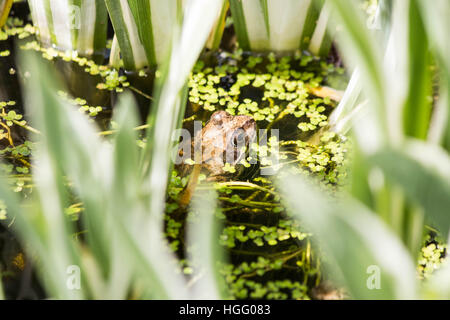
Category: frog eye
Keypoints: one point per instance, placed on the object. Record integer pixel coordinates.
(239, 139)
(218, 117)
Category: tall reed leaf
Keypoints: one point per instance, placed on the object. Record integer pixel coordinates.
(144, 29)
(417, 109)
(96, 168)
(78, 25)
(281, 25)
(199, 17)
(204, 249)
(398, 89)
(5, 6)
(357, 243)
(216, 34)
(359, 48)
(429, 186)
(321, 39)
(438, 287)
(436, 22)
(351, 107)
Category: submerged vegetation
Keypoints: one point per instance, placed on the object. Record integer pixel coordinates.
(355, 156)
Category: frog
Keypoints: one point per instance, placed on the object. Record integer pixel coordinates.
(225, 139)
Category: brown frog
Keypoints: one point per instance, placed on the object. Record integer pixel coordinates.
(224, 139)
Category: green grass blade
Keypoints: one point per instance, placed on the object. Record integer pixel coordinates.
(42, 19)
(240, 26)
(348, 102)
(2, 294)
(101, 26)
(287, 20)
(5, 7)
(143, 18)
(79, 25)
(74, 146)
(275, 25)
(144, 29)
(321, 39)
(428, 186)
(215, 37)
(198, 20)
(131, 49)
(417, 108)
(436, 22)
(205, 250)
(312, 14)
(357, 243)
(265, 9)
(438, 287)
(360, 49)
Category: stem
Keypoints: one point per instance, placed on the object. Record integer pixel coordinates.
(141, 93)
(27, 127)
(246, 184)
(110, 132)
(249, 203)
(8, 130)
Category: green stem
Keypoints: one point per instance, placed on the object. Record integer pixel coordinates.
(249, 203)
(246, 184)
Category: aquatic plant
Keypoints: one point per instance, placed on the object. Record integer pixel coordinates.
(136, 257)
(71, 25)
(282, 25)
(400, 171)
(104, 205)
(143, 29)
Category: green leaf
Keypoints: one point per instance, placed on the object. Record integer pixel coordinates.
(79, 25)
(438, 286)
(5, 6)
(417, 109)
(204, 247)
(239, 24)
(423, 173)
(125, 29)
(360, 247)
(360, 49)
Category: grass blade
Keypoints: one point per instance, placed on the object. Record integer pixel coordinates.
(355, 240)
(360, 49)
(5, 7)
(429, 185)
(79, 25)
(321, 39)
(215, 37)
(204, 249)
(239, 24)
(126, 31)
(438, 287)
